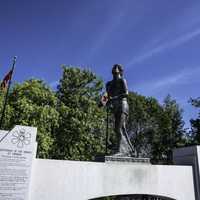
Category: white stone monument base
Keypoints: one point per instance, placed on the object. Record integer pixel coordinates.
(75, 180)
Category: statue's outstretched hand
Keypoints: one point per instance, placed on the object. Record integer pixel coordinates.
(104, 99)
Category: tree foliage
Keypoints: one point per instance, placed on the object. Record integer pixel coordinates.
(71, 125)
(155, 129)
(33, 103)
(194, 134)
(81, 131)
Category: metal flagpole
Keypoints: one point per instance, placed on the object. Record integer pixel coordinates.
(7, 92)
(107, 122)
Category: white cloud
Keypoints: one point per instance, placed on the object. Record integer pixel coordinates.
(171, 44)
(183, 77)
(105, 33)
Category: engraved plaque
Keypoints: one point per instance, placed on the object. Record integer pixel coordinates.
(17, 150)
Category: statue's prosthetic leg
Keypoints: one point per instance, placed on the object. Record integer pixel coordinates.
(123, 143)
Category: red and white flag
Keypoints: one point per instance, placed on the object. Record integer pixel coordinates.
(6, 79)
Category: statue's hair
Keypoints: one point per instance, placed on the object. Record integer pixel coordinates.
(120, 68)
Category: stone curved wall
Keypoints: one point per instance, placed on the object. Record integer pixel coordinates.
(139, 196)
(74, 180)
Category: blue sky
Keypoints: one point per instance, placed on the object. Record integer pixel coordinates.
(158, 42)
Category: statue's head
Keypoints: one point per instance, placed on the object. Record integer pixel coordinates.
(117, 70)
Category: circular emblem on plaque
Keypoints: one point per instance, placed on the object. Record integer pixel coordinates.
(20, 138)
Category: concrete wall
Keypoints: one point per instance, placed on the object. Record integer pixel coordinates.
(74, 180)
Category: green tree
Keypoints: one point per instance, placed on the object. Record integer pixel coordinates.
(81, 132)
(155, 129)
(195, 131)
(72, 126)
(33, 103)
(173, 127)
(194, 134)
(143, 123)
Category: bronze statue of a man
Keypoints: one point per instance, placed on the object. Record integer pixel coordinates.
(117, 91)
